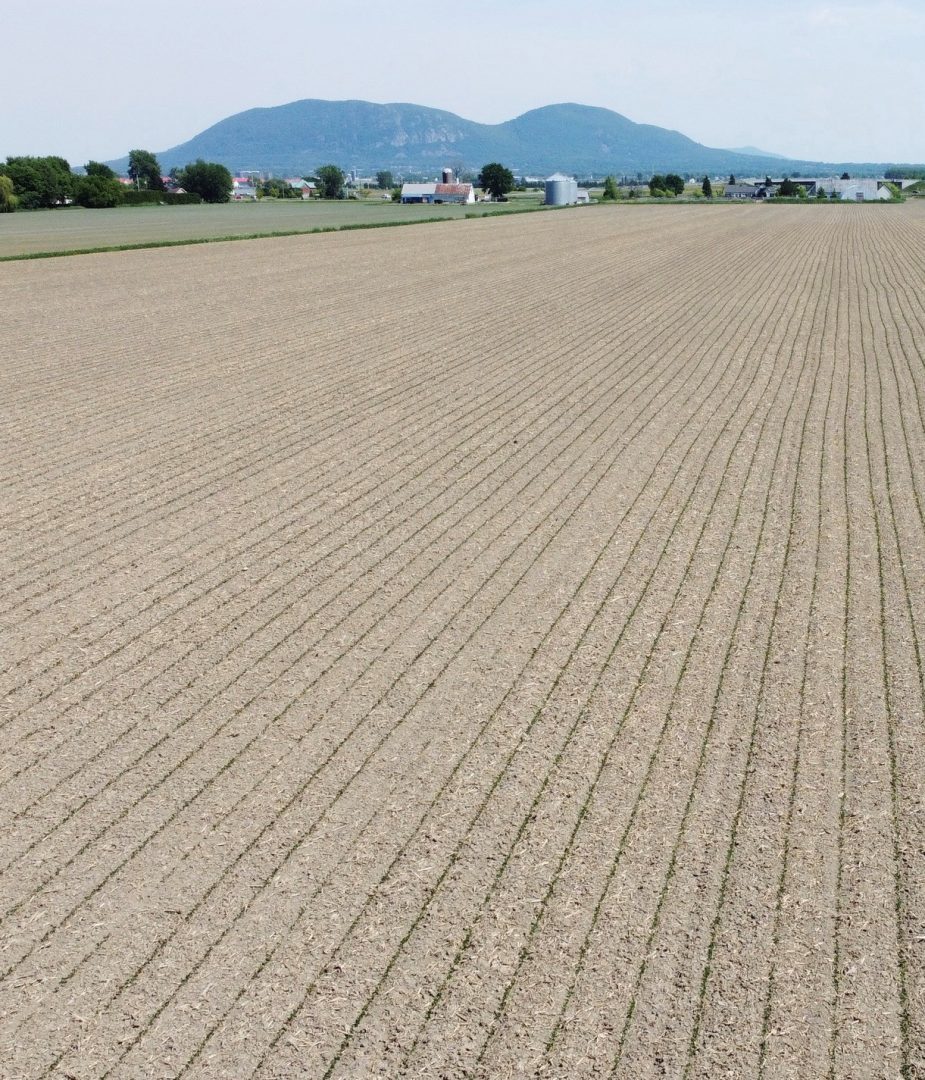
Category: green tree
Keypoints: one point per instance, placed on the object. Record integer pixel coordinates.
(8, 200)
(275, 188)
(97, 168)
(212, 182)
(496, 179)
(145, 170)
(788, 189)
(674, 183)
(707, 188)
(40, 182)
(331, 178)
(97, 192)
(384, 180)
(845, 176)
(732, 178)
(820, 192)
(656, 183)
(611, 191)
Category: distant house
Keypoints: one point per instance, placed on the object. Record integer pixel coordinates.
(740, 191)
(303, 187)
(243, 189)
(437, 193)
(750, 191)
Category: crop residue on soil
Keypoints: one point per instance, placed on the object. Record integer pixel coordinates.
(490, 650)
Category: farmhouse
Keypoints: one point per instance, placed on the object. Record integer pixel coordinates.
(242, 188)
(303, 187)
(749, 191)
(437, 193)
(740, 191)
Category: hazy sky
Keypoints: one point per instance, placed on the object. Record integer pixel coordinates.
(832, 80)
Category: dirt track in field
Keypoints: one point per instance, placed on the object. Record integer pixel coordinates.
(489, 650)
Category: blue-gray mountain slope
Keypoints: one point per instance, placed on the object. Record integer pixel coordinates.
(298, 137)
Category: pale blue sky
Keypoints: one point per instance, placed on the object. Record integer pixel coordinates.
(808, 78)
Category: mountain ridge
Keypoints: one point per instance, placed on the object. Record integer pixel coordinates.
(409, 139)
(754, 151)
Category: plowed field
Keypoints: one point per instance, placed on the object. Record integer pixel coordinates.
(484, 650)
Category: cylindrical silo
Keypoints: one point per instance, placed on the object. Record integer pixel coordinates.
(448, 177)
(557, 190)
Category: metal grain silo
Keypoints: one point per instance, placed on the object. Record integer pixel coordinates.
(561, 190)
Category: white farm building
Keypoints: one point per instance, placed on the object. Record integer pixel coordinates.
(437, 193)
(856, 190)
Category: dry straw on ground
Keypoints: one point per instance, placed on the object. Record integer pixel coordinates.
(489, 650)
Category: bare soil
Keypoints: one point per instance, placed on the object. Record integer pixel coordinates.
(491, 650)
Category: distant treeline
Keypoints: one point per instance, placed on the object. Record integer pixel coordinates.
(904, 174)
(37, 183)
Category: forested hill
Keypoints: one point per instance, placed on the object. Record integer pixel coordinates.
(298, 137)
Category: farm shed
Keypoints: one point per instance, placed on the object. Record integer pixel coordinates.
(863, 191)
(437, 193)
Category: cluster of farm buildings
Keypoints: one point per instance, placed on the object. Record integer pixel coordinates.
(244, 188)
(561, 190)
(860, 190)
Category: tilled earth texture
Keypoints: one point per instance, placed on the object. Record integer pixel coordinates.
(491, 649)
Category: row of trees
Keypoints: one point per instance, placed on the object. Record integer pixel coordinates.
(36, 183)
(660, 186)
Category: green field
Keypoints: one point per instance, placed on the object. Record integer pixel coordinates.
(76, 229)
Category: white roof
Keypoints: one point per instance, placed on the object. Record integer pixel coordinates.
(558, 176)
(419, 189)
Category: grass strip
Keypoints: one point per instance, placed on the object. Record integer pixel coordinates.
(274, 234)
